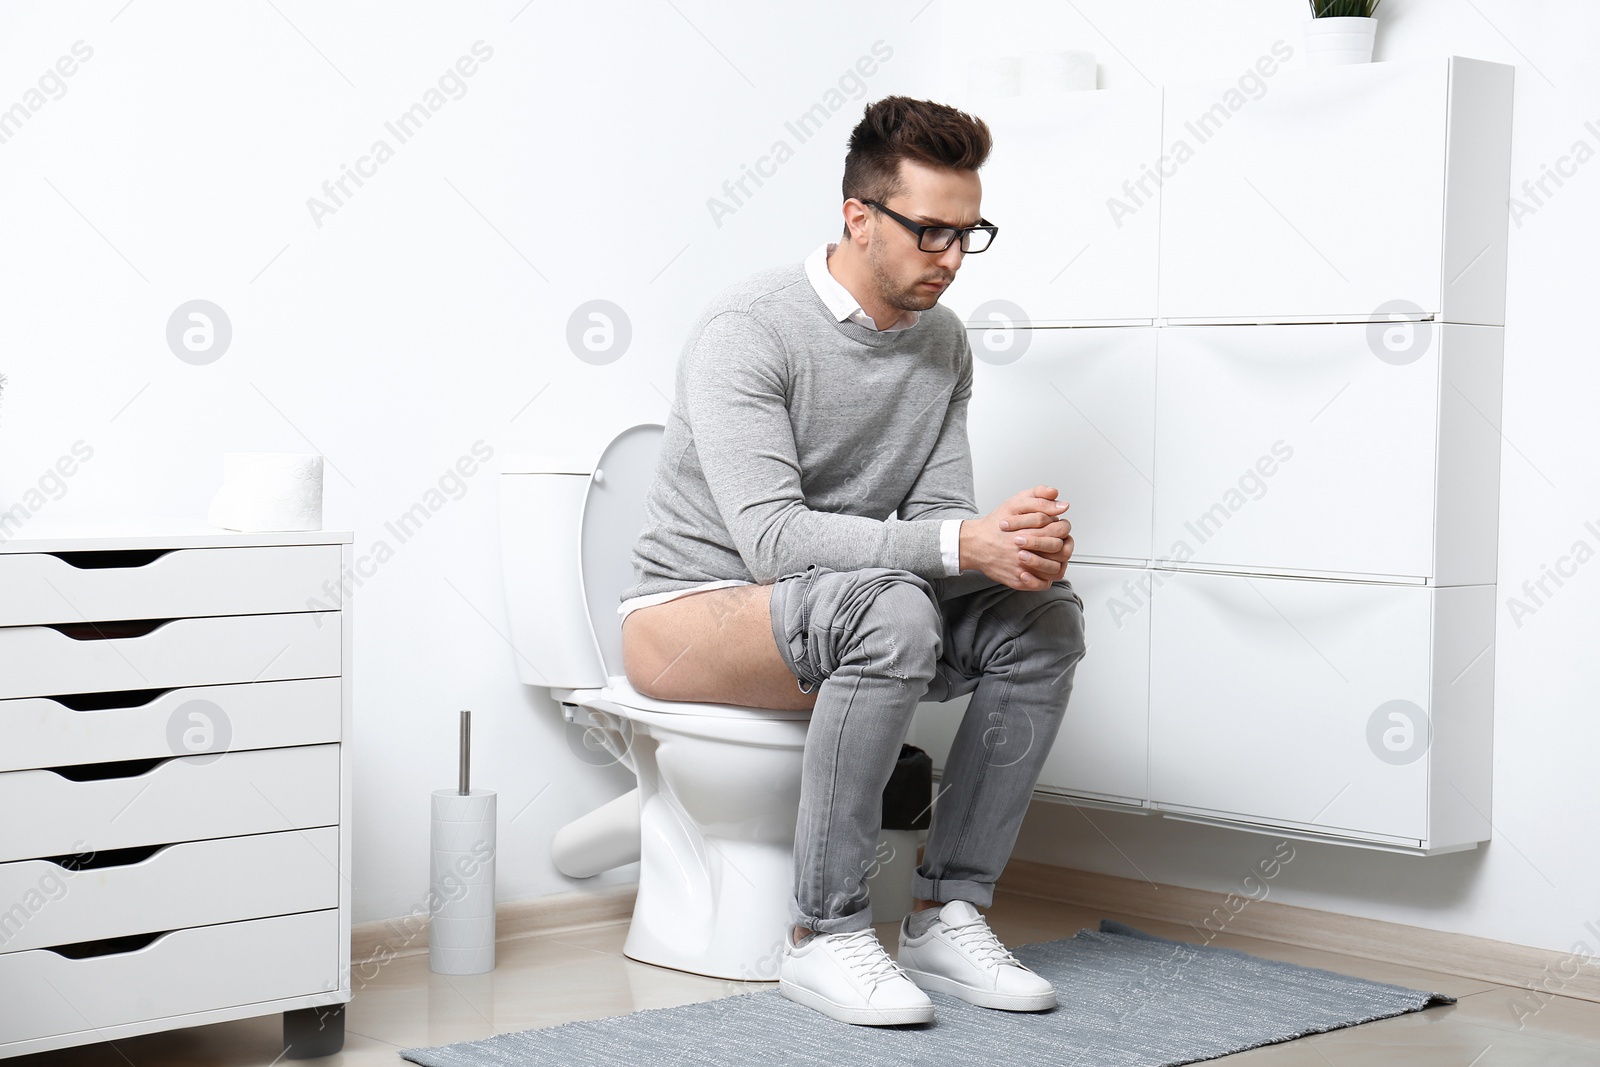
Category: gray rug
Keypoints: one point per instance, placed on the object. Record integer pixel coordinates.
(1126, 999)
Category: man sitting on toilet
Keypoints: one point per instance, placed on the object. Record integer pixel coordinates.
(812, 401)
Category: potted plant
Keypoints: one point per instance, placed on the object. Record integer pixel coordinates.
(1340, 31)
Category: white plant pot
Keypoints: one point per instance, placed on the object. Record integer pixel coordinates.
(1332, 42)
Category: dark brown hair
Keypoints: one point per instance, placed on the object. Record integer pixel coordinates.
(898, 127)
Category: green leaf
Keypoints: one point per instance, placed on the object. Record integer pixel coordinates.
(1324, 9)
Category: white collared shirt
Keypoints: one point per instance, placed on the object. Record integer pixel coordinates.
(839, 299)
(843, 305)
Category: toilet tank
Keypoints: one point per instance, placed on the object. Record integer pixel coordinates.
(541, 510)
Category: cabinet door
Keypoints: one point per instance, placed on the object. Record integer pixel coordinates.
(1321, 195)
(1076, 410)
(1296, 449)
(1101, 748)
(1292, 701)
(1062, 254)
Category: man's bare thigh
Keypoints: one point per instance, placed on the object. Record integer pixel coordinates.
(714, 647)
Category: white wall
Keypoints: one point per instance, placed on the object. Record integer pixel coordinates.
(425, 314)
(1534, 883)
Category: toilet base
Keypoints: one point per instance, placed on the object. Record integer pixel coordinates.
(719, 798)
(724, 918)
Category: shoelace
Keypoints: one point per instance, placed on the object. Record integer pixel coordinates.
(862, 948)
(977, 938)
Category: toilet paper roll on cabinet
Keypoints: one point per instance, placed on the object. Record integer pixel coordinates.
(1046, 73)
(1032, 74)
(267, 491)
(461, 882)
(994, 76)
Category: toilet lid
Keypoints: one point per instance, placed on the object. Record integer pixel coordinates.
(613, 516)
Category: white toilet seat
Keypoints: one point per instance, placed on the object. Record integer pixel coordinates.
(718, 720)
(621, 690)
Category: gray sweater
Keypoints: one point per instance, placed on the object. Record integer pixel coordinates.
(792, 437)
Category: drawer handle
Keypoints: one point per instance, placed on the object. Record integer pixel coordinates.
(111, 857)
(108, 631)
(107, 946)
(110, 700)
(122, 557)
(96, 772)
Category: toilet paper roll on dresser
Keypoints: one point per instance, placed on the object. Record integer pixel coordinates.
(268, 491)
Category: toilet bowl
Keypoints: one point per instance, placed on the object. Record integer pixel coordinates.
(718, 784)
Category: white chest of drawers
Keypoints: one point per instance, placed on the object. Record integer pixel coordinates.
(174, 785)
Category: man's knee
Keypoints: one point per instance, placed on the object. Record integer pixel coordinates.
(1057, 626)
(1043, 623)
(899, 624)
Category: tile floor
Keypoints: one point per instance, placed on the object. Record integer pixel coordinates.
(582, 974)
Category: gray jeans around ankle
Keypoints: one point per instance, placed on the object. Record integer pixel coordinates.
(878, 641)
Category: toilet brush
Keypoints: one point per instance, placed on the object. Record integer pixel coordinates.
(461, 873)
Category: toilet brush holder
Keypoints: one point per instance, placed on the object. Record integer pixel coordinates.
(461, 882)
(461, 872)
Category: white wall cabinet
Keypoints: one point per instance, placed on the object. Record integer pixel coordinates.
(1300, 449)
(1062, 255)
(1327, 196)
(1285, 501)
(1076, 410)
(1100, 752)
(1271, 701)
(174, 722)
(1338, 191)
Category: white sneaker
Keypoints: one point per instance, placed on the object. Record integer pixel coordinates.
(849, 977)
(960, 955)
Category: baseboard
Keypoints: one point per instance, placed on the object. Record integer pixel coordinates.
(1553, 973)
(407, 935)
(1500, 962)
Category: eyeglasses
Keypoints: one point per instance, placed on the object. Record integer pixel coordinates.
(938, 238)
